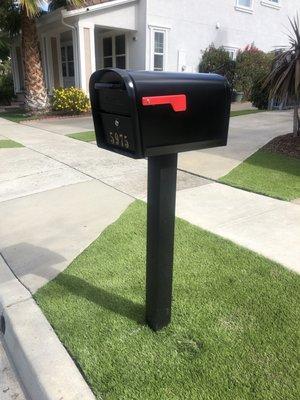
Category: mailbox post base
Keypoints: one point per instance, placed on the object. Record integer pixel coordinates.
(162, 174)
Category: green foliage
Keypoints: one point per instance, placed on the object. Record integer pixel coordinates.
(250, 63)
(235, 319)
(284, 78)
(260, 94)
(217, 60)
(70, 100)
(6, 82)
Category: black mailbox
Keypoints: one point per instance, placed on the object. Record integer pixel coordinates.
(142, 113)
(157, 115)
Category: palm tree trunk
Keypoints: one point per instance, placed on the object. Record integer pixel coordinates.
(36, 98)
(296, 128)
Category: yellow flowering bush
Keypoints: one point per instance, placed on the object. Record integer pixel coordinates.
(70, 100)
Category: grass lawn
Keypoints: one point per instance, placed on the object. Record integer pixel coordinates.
(17, 116)
(270, 174)
(84, 136)
(235, 321)
(7, 144)
(244, 112)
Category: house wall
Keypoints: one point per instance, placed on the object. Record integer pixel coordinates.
(194, 24)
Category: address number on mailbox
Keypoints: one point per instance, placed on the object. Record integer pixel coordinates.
(118, 139)
(118, 131)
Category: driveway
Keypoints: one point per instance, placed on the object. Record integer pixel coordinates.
(247, 134)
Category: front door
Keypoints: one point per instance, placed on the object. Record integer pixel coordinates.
(67, 63)
(114, 51)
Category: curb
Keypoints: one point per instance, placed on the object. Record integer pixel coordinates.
(44, 366)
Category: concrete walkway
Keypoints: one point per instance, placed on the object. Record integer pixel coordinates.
(81, 189)
(246, 135)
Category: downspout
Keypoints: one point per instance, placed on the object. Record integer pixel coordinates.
(76, 52)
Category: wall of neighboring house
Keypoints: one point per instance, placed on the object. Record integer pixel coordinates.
(190, 26)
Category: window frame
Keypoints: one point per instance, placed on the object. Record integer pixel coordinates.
(242, 8)
(113, 35)
(164, 31)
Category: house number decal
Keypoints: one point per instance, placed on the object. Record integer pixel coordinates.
(118, 139)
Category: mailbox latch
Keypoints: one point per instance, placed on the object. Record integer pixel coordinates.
(177, 101)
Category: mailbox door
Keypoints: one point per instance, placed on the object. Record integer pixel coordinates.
(114, 112)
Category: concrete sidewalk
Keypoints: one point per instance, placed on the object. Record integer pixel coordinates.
(58, 194)
(246, 135)
(268, 222)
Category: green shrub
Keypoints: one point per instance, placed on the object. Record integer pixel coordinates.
(70, 100)
(217, 60)
(250, 64)
(6, 89)
(260, 94)
(6, 82)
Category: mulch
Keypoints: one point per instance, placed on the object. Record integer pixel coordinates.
(285, 144)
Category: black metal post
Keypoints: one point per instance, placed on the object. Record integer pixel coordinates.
(162, 174)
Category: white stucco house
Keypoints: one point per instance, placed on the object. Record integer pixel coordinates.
(150, 34)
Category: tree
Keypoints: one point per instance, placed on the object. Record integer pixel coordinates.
(21, 15)
(218, 61)
(284, 78)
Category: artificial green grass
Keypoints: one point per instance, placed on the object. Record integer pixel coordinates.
(274, 175)
(84, 136)
(234, 328)
(244, 112)
(7, 144)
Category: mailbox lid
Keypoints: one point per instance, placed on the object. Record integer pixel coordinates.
(204, 122)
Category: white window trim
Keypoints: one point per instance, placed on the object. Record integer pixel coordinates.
(113, 34)
(165, 31)
(271, 4)
(245, 9)
(232, 49)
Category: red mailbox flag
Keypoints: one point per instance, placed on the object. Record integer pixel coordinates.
(177, 101)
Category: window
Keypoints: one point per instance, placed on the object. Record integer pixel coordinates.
(159, 50)
(232, 51)
(271, 3)
(67, 61)
(244, 5)
(114, 51)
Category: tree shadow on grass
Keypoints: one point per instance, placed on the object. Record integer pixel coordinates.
(101, 297)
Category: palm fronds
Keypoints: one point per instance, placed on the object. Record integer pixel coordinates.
(284, 78)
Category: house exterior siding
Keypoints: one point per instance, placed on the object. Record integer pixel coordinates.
(194, 24)
(170, 35)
